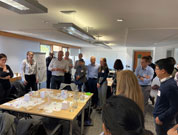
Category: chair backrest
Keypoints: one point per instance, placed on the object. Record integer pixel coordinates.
(69, 87)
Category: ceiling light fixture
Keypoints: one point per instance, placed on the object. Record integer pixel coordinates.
(74, 30)
(23, 6)
(101, 44)
(120, 20)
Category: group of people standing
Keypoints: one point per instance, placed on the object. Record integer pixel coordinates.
(92, 78)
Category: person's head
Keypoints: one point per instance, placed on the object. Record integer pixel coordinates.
(60, 55)
(122, 116)
(103, 62)
(150, 59)
(164, 68)
(30, 55)
(144, 61)
(173, 61)
(118, 65)
(80, 56)
(92, 60)
(3, 59)
(127, 85)
(67, 54)
(81, 62)
(51, 54)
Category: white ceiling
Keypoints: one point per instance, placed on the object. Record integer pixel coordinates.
(146, 22)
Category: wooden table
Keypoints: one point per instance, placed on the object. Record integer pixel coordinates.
(63, 114)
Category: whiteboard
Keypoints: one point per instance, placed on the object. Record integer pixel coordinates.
(41, 65)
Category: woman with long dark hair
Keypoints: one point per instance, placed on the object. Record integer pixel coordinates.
(5, 74)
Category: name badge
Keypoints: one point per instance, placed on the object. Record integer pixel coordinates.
(159, 93)
(102, 71)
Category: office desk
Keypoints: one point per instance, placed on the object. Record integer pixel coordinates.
(62, 114)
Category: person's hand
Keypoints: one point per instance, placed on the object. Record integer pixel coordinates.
(25, 82)
(147, 76)
(77, 77)
(98, 85)
(37, 81)
(7, 77)
(158, 122)
(173, 131)
(141, 78)
(155, 87)
(54, 69)
(70, 66)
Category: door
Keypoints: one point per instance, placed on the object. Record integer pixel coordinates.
(138, 55)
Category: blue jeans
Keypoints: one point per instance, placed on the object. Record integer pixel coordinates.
(56, 81)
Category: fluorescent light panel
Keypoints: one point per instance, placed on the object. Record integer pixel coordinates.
(15, 4)
(74, 30)
(101, 44)
(23, 6)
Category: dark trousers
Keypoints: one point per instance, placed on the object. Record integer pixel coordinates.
(31, 79)
(48, 81)
(67, 78)
(92, 87)
(79, 84)
(162, 130)
(56, 81)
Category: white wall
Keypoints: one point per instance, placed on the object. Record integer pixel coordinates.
(16, 49)
(110, 54)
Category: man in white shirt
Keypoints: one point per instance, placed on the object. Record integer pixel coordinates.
(58, 67)
(67, 76)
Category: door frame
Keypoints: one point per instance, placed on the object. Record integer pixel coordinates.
(135, 50)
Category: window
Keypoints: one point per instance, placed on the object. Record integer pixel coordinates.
(45, 49)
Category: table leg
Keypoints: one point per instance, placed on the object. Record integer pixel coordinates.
(89, 108)
(82, 122)
(71, 122)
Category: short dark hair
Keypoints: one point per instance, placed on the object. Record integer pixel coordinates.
(150, 57)
(2, 55)
(81, 60)
(118, 64)
(173, 61)
(146, 58)
(165, 64)
(122, 116)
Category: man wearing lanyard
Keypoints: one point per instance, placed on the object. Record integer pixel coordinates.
(92, 76)
(145, 74)
(166, 106)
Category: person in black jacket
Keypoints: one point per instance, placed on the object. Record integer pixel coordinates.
(102, 82)
(166, 106)
(5, 74)
(80, 74)
(48, 60)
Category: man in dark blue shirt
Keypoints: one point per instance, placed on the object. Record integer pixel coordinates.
(167, 98)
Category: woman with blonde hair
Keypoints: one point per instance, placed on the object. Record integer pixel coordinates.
(127, 85)
(29, 72)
